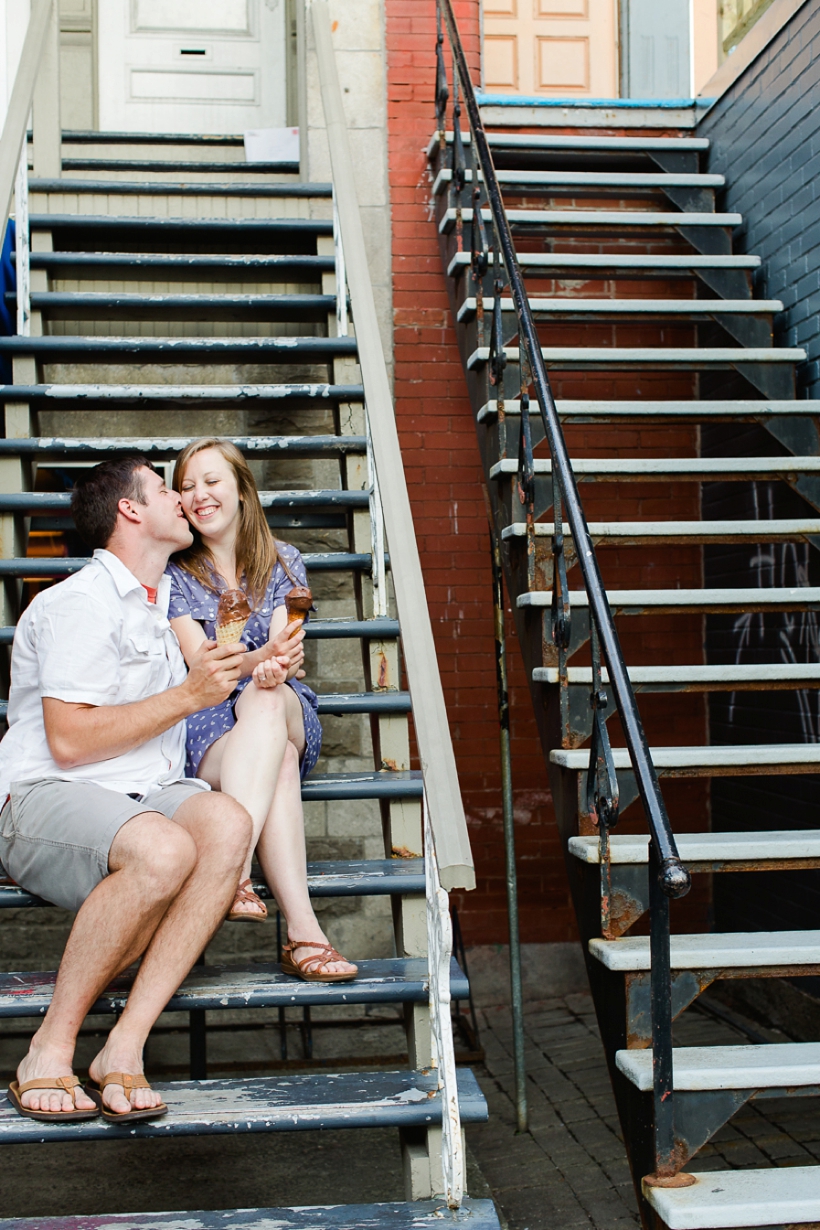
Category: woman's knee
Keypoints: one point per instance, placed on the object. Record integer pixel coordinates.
(262, 705)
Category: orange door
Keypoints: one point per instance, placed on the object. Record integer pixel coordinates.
(563, 48)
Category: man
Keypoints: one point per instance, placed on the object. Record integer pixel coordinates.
(98, 817)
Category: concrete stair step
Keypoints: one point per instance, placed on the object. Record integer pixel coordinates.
(620, 181)
(340, 878)
(678, 358)
(706, 469)
(674, 601)
(777, 1066)
(619, 219)
(636, 533)
(783, 1196)
(605, 262)
(414, 1215)
(800, 846)
(185, 396)
(767, 676)
(689, 309)
(280, 1104)
(728, 760)
(224, 988)
(104, 305)
(576, 142)
(735, 950)
(662, 411)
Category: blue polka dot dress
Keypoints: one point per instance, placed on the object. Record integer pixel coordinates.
(189, 597)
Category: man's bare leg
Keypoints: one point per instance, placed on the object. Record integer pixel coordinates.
(150, 860)
(221, 831)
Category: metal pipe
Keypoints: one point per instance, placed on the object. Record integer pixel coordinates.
(509, 841)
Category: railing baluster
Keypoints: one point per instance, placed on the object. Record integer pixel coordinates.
(22, 245)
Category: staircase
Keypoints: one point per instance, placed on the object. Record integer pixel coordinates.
(603, 258)
(176, 291)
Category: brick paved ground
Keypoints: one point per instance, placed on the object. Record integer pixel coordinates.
(570, 1169)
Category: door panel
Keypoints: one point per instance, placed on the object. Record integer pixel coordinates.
(202, 66)
(659, 49)
(551, 47)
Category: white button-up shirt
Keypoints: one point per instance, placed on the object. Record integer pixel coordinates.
(94, 639)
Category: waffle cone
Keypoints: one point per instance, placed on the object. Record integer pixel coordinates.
(230, 634)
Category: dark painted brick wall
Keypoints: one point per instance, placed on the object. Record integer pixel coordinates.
(765, 134)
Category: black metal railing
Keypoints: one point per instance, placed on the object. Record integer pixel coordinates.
(493, 257)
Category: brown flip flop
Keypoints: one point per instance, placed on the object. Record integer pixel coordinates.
(68, 1083)
(309, 968)
(95, 1089)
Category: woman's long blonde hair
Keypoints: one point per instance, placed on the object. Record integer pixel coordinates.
(256, 554)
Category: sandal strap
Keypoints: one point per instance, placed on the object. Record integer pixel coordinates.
(245, 894)
(326, 955)
(128, 1081)
(69, 1083)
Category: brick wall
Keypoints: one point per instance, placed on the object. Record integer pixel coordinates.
(765, 132)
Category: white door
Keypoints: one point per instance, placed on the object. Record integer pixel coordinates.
(199, 66)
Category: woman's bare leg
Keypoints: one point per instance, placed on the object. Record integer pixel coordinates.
(281, 850)
(247, 761)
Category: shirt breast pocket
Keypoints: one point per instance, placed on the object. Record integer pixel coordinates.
(145, 669)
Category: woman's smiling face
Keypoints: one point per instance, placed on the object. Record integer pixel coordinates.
(210, 496)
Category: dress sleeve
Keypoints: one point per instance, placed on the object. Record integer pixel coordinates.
(179, 603)
(282, 583)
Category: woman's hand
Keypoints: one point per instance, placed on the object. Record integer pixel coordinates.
(271, 672)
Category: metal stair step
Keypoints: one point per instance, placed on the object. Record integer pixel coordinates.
(619, 218)
(550, 141)
(658, 601)
(681, 411)
(339, 704)
(558, 307)
(726, 760)
(732, 950)
(285, 1103)
(315, 630)
(116, 187)
(64, 566)
(290, 229)
(636, 469)
(92, 305)
(387, 877)
(787, 1195)
(190, 396)
(680, 358)
(36, 503)
(766, 676)
(179, 167)
(622, 181)
(635, 533)
(94, 136)
(663, 261)
(412, 1215)
(136, 263)
(777, 1066)
(104, 349)
(222, 988)
(780, 846)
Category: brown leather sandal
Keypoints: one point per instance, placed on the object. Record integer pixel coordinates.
(68, 1083)
(95, 1090)
(308, 969)
(246, 895)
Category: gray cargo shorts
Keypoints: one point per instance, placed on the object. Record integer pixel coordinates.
(55, 836)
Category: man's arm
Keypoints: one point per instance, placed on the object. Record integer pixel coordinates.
(81, 734)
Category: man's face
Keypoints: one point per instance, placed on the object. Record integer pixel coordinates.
(161, 516)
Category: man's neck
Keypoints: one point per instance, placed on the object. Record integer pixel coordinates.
(146, 561)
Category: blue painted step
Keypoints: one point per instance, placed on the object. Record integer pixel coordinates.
(108, 349)
(272, 1104)
(473, 1215)
(215, 987)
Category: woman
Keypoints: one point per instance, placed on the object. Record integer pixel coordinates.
(261, 742)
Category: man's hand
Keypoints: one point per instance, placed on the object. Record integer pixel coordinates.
(214, 673)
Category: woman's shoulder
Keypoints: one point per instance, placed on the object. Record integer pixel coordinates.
(289, 571)
(188, 595)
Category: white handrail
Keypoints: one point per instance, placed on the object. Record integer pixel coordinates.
(14, 129)
(446, 811)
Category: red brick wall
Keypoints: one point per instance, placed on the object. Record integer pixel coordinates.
(445, 480)
(444, 475)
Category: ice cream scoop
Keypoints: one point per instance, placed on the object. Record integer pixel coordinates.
(297, 604)
(232, 614)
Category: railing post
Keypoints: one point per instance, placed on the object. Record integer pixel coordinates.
(48, 135)
(22, 245)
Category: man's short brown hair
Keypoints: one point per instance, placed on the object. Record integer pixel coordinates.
(96, 496)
